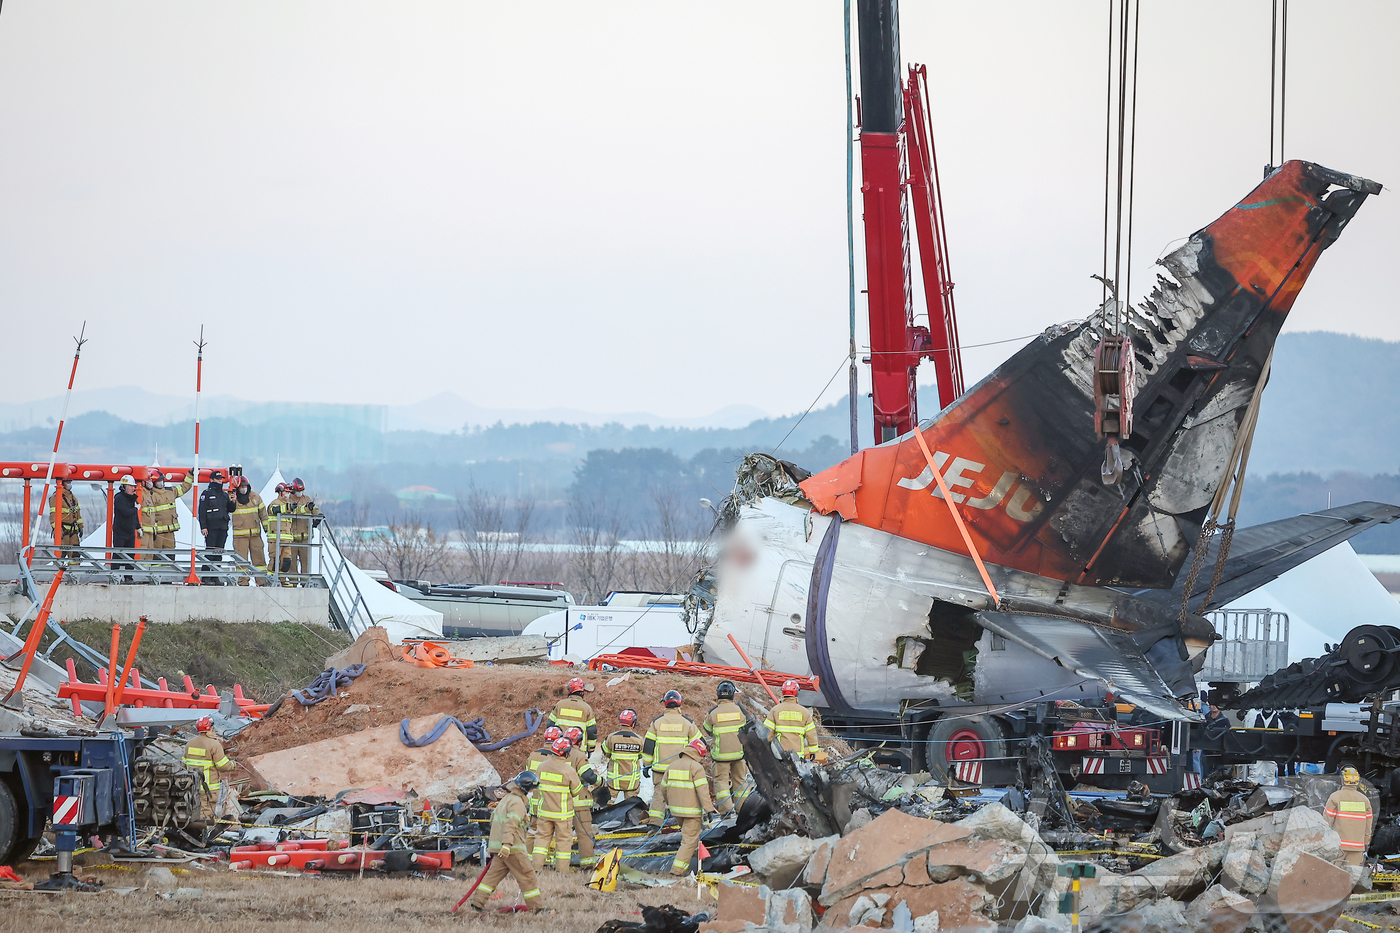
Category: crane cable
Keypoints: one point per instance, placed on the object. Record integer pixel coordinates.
(1123, 31)
(1278, 82)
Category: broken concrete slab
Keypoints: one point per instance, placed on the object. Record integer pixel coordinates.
(738, 902)
(1307, 879)
(1160, 916)
(1110, 894)
(789, 912)
(439, 771)
(1220, 910)
(1184, 875)
(958, 905)
(981, 861)
(890, 840)
(1244, 869)
(779, 862)
(1296, 826)
(509, 649)
(995, 821)
(815, 872)
(1311, 893)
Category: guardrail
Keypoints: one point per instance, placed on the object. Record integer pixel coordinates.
(1253, 644)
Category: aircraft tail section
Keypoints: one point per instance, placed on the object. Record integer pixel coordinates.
(1019, 453)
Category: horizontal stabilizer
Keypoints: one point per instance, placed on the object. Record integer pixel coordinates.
(1261, 554)
(1093, 652)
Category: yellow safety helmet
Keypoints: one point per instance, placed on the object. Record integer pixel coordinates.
(1350, 776)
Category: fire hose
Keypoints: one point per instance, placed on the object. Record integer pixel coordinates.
(326, 683)
(472, 890)
(474, 730)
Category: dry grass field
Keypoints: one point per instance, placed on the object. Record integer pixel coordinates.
(259, 902)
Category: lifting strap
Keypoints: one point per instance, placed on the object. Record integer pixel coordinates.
(957, 518)
(1233, 479)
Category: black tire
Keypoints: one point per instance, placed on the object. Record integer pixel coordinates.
(962, 738)
(9, 823)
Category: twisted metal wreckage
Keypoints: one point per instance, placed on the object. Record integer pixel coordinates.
(1050, 574)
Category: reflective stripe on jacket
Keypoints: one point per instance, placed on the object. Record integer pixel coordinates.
(684, 790)
(669, 733)
(795, 728)
(509, 821)
(723, 724)
(583, 800)
(624, 751)
(559, 785)
(302, 504)
(287, 534)
(158, 513)
(1348, 811)
(72, 512)
(249, 516)
(206, 753)
(574, 711)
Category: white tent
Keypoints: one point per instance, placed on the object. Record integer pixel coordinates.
(399, 616)
(1325, 598)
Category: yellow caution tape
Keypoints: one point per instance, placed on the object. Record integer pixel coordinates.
(1127, 852)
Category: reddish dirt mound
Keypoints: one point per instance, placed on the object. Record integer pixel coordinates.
(394, 690)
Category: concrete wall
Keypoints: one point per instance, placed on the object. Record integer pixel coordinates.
(173, 603)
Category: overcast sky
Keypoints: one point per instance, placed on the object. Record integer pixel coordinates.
(613, 207)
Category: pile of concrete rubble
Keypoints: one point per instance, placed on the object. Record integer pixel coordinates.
(991, 871)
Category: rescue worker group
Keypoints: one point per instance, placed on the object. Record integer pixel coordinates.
(548, 807)
(145, 518)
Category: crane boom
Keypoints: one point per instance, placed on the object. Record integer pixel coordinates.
(896, 149)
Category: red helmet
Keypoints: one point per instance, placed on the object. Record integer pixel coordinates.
(574, 734)
(204, 724)
(575, 685)
(672, 699)
(561, 747)
(283, 487)
(790, 688)
(154, 473)
(553, 734)
(627, 717)
(699, 745)
(242, 481)
(297, 485)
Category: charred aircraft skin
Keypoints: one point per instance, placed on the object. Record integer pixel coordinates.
(1019, 452)
(859, 574)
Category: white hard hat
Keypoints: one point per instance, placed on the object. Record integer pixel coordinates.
(128, 480)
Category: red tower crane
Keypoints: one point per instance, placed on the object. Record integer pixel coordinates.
(899, 174)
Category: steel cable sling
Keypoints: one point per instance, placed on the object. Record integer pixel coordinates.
(474, 730)
(326, 684)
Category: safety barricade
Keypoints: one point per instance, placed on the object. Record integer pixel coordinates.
(651, 662)
(76, 691)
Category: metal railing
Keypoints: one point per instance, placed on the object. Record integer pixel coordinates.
(1253, 644)
(327, 565)
(216, 566)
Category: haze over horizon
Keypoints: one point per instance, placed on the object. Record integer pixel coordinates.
(635, 208)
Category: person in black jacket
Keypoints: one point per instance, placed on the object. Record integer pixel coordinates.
(126, 519)
(215, 508)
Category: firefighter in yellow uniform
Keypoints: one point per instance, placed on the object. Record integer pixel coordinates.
(574, 710)
(302, 504)
(159, 517)
(70, 523)
(668, 734)
(280, 535)
(583, 800)
(537, 758)
(722, 726)
(684, 791)
(1348, 811)
(554, 819)
(793, 724)
(508, 848)
(624, 751)
(249, 513)
(205, 755)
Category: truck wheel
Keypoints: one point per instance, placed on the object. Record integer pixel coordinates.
(9, 823)
(957, 745)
